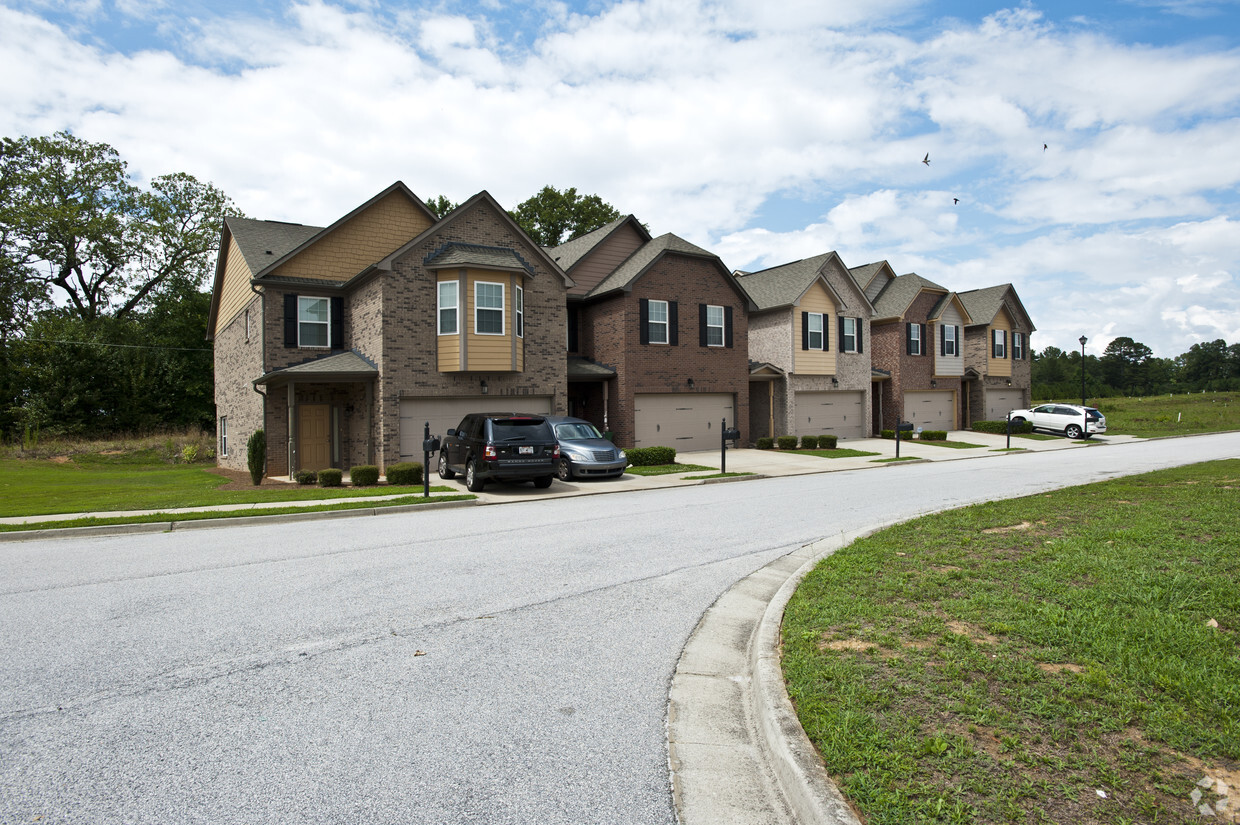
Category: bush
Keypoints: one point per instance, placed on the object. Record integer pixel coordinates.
(891, 434)
(809, 442)
(256, 456)
(406, 473)
(651, 456)
(764, 443)
(1000, 427)
(189, 453)
(933, 435)
(364, 475)
(331, 477)
(787, 442)
(828, 442)
(305, 476)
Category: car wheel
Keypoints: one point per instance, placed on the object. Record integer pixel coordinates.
(472, 482)
(543, 482)
(564, 470)
(444, 470)
(1072, 431)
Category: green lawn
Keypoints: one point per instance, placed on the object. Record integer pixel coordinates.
(837, 453)
(91, 482)
(1171, 414)
(955, 445)
(666, 469)
(1068, 657)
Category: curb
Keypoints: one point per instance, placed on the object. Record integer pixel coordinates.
(736, 749)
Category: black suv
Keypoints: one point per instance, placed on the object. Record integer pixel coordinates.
(500, 447)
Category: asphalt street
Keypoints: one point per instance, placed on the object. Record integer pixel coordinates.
(495, 664)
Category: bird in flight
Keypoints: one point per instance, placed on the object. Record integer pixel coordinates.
(955, 201)
(1043, 147)
(926, 159)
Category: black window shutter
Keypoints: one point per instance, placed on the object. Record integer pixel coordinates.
(727, 327)
(337, 323)
(840, 324)
(826, 332)
(804, 330)
(859, 347)
(643, 324)
(925, 345)
(702, 325)
(290, 320)
(959, 342)
(942, 339)
(673, 323)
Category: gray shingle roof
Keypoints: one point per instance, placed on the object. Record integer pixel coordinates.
(338, 367)
(638, 262)
(584, 369)
(983, 304)
(782, 285)
(456, 254)
(895, 298)
(264, 242)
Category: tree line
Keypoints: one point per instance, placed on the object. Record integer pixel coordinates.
(1129, 368)
(105, 287)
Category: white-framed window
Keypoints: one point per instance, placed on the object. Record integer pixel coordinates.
(656, 320)
(247, 325)
(223, 435)
(488, 308)
(449, 301)
(1018, 346)
(519, 302)
(814, 326)
(714, 326)
(313, 322)
(1000, 343)
(849, 326)
(914, 339)
(949, 339)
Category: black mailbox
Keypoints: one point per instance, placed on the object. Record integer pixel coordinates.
(731, 435)
(431, 445)
(905, 426)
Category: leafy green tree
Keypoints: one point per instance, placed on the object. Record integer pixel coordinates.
(1124, 365)
(552, 217)
(441, 206)
(78, 226)
(1206, 362)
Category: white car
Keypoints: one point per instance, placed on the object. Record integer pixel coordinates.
(1069, 419)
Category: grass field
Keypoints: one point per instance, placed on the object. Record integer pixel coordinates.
(1069, 657)
(139, 480)
(1171, 415)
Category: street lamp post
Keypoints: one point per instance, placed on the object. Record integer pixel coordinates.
(1083, 339)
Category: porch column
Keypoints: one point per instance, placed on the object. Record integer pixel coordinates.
(370, 403)
(292, 428)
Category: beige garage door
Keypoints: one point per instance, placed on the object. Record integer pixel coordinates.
(931, 410)
(443, 413)
(1001, 402)
(830, 413)
(686, 421)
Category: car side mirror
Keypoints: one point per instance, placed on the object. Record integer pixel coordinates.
(451, 433)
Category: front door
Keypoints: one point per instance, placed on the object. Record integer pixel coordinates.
(314, 436)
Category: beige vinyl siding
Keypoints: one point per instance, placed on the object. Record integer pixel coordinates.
(605, 259)
(949, 365)
(368, 237)
(1001, 367)
(492, 353)
(450, 345)
(813, 362)
(235, 291)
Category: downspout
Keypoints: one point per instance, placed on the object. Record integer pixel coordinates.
(606, 381)
(262, 339)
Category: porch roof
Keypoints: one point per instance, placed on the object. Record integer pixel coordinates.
(583, 369)
(341, 366)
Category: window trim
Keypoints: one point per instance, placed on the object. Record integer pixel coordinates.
(998, 343)
(224, 436)
(327, 324)
(822, 330)
(1018, 346)
(455, 308)
(479, 308)
(518, 303)
(846, 336)
(950, 330)
(914, 339)
(651, 323)
(721, 326)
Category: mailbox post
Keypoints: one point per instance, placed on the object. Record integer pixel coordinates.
(726, 435)
(1009, 429)
(430, 446)
(902, 427)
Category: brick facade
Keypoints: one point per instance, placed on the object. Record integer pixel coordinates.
(238, 361)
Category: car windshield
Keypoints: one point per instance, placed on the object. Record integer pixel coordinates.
(576, 432)
(518, 429)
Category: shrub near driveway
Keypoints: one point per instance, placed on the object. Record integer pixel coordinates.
(1047, 659)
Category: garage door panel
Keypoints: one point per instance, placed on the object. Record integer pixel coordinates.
(686, 421)
(445, 413)
(1000, 402)
(830, 413)
(931, 410)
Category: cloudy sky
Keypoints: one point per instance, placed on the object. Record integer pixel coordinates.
(1087, 152)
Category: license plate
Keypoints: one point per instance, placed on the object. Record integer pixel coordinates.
(525, 451)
